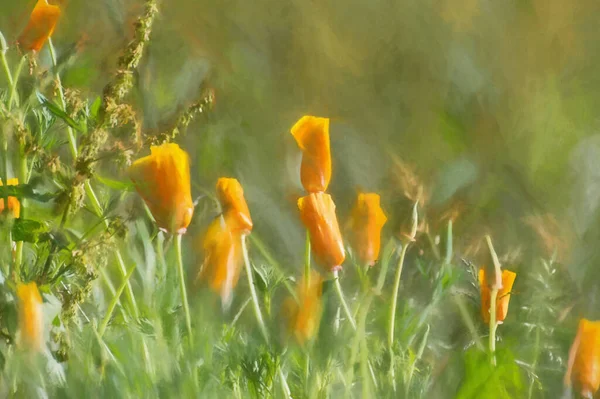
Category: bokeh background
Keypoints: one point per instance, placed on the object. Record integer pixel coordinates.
(493, 104)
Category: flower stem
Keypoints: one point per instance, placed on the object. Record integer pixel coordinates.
(13, 87)
(392, 318)
(61, 97)
(256, 305)
(182, 288)
(338, 289)
(493, 324)
(307, 261)
(113, 302)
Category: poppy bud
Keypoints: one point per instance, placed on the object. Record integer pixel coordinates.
(163, 181)
(13, 203)
(31, 325)
(366, 222)
(502, 299)
(223, 259)
(584, 359)
(40, 26)
(312, 135)
(304, 315)
(317, 212)
(231, 196)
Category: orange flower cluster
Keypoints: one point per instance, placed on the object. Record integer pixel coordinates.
(503, 298)
(31, 325)
(14, 206)
(222, 242)
(163, 181)
(40, 27)
(317, 210)
(584, 359)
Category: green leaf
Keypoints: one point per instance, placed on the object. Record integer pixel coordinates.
(483, 380)
(29, 231)
(25, 191)
(59, 113)
(116, 184)
(95, 107)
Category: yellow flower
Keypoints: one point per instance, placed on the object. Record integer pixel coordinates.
(222, 258)
(312, 135)
(31, 325)
(317, 212)
(40, 26)
(304, 316)
(13, 203)
(163, 181)
(584, 359)
(231, 196)
(366, 222)
(503, 298)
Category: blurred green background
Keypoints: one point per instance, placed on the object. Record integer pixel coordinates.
(493, 103)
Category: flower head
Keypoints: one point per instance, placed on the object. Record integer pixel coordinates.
(584, 359)
(304, 315)
(40, 26)
(312, 135)
(231, 196)
(317, 212)
(13, 203)
(163, 181)
(31, 325)
(503, 298)
(366, 222)
(223, 259)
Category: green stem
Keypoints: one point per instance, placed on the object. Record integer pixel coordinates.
(13, 87)
(468, 321)
(63, 103)
(411, 371)
(493, 324)
(256, 305)
(3, 49)
(307, 260)
(338, 289)
(448, 258)
(111, 306)
(182, 288)
(392, 317)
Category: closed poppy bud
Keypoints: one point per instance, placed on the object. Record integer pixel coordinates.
(366, 222)
(584, 359)
(163, 181)
(40, 26)
(231, 197)
(312, 135)
(222, 258)
(317, 212)
(502, 299)
(14, 206)
(303, 315)
(31, 324)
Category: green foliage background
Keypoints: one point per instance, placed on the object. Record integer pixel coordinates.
(494, 104)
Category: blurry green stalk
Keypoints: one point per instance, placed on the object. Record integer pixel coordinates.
(183, 289)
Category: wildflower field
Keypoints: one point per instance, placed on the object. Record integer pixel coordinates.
(288, 199)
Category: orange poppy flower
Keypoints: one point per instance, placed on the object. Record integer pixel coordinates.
(163, 181)
(503, 298)
(312, 135)
(231, 196)
(31, 325)
(222, 258)
(317, 212)
(366, 222)
(584, 359)
(40, 26)
(13, 203)
(304, 316)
